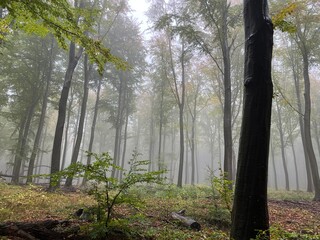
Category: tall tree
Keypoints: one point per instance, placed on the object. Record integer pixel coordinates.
(48, 76)
(250, 209)
(306, 36)
(87, 70)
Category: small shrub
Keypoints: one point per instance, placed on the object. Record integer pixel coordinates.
(222, 198)
(107, 190)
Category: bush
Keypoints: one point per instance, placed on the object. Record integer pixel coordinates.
(107, 190)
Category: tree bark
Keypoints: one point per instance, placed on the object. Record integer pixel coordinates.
(250, 208)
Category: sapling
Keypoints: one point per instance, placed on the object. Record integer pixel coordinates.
(106, 190)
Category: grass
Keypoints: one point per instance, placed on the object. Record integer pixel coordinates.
(290, 195)
(149, 216)
(29, 203)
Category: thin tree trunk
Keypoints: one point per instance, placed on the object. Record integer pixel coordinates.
(301, 123)
(160, 129)
(151, 139)
(75, 154)
(295, 162)
(274, 166)
(119, 123)
(35, 149)
(227, 115)
(124, 142)
(286, 175)
(307, 127)
(181, 112)
(22, 145)
(18, 158)
(66, 133)
(316, 135)
(93, 125)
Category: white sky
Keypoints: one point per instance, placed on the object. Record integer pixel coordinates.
(139, 8)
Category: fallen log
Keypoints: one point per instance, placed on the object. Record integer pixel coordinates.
(34, 230)
(187, 221)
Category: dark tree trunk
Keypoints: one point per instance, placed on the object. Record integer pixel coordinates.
(87, 69)
(282, 146)
(56, 150)
(250, 208)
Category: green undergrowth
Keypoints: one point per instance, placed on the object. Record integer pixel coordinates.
(148, 214)
(29, 203)
(290, 195)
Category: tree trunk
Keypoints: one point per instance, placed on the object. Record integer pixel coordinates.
(282, 146)
(125, 141)
(56, 150)
(119, 122)
(66, 132)
(227, 115)
(87, 70)
(18, 158)
(181, 112)
(307, 127)
(274, 166)
(36, 143)
(94, 122)
(295, 162)
(301, 121)
(160, 128)
(151, 139)
(250, 208)
(22, 143)
(316, 135)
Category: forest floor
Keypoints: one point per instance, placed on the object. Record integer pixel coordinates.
(25, 211)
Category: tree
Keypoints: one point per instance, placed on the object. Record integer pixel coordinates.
(59, 18)
(250, 209)
(306, 38)
(216, 15)
(87, 70)
(45, 99)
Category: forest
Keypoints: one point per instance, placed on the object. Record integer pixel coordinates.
(159, 119)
